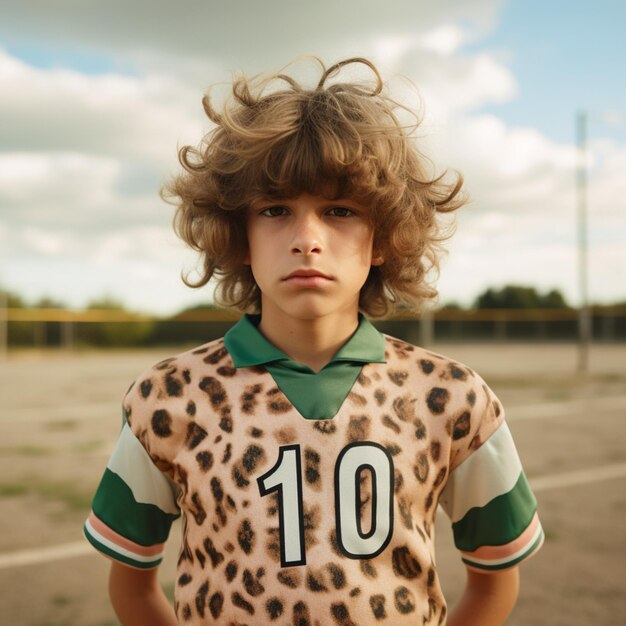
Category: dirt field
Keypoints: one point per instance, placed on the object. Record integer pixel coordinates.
(60, 416)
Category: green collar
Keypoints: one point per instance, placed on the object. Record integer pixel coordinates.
(248, 347)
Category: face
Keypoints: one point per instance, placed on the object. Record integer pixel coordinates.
(309, 256)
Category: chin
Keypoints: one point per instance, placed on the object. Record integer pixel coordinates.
(315, 310)
(307, 313)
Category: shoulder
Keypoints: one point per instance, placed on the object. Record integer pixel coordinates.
(448, 390)
(166, 384)
(433, 367)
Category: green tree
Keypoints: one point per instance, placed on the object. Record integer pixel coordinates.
(112, 334)
(105, 303)
(46, 302)
(451, 306)
(19, 333)
(13, 300)
(553, 300)
(519, 297)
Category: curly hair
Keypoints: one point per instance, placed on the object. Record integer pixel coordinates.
(339, 140)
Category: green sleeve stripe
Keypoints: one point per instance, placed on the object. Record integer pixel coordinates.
(499, 522)
(120, 557)
(142, 523)
(506, 564)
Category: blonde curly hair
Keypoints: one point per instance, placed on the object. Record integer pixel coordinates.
(340, 140)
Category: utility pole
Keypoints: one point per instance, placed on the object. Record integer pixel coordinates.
(584, 317)
(4, 325)
(427, 328)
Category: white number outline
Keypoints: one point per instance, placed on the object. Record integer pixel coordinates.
(376, 510)
(289, 462)
(283, 454)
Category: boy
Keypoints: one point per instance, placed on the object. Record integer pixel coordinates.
(307, 452)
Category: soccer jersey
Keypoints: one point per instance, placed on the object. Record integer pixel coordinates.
(310, 498)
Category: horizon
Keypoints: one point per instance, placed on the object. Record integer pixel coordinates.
(115, 305)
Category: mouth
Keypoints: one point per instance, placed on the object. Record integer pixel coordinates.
(307, 274)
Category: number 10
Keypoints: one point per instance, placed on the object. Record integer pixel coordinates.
(285, 477)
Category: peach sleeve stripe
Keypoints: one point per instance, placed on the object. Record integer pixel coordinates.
(482, 570)
(117, 539)
(503, 552)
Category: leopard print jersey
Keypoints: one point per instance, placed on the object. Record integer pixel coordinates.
(336, 539)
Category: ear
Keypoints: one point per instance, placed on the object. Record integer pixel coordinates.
(378, 260)
(246, 259)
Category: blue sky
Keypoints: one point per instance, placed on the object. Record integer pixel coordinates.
(56, 56)
(566, 57)
(96, 101)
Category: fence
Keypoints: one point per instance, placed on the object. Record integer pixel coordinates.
(69, 329)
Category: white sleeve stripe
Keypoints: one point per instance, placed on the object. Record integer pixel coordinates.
(474, 483)
(118, 549)
(133, 465)
(512, 557)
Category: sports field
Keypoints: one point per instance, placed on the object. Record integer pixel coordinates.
(60, 415)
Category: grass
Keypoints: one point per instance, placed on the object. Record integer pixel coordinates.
(544, 379)
(83, 447)
(64, 491)
(86, 447)
(559, 394)
(168, 589)
(62, 425)
(61, 599)
(550, 534)
(26, 450)
(9, 490)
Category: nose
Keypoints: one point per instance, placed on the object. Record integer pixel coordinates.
(307, 236)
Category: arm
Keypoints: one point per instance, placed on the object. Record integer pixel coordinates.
(488, 598)
(137, 597)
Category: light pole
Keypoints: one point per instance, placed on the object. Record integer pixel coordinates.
(584, 317)
(4, 324)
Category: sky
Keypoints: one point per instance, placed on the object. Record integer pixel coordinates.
(96, 97)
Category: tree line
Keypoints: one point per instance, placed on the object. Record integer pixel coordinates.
(507, 297)
(172, 330)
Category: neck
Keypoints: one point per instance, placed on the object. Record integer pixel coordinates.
(312, 342)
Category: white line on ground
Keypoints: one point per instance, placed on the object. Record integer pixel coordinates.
(559, 409)
(36, 556)
(60, 413)
(578, 477)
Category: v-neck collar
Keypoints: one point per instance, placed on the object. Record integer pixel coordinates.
(248, 346)
(315, 395)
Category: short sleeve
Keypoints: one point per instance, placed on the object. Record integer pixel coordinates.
(491, 506)
(134, 506)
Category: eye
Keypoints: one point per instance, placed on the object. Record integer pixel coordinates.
(341, 211)
(274, 211)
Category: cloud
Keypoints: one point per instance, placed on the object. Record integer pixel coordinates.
(61, 177)
(45, 243)
(241, 34)
(84, 154)
(108, 115)
(75, 192)
(444, 40)
(522, 224)
(509, 165)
